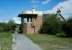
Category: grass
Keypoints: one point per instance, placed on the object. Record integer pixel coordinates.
(50, 42)
(5, 41)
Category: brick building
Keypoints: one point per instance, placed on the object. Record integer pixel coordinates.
(31, 21)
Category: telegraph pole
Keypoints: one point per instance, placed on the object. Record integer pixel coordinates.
(59, 13)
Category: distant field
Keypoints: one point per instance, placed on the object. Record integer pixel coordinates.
(5, 41)
(49, 42)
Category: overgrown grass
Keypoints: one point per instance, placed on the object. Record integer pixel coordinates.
(5, 41)
(50, 42)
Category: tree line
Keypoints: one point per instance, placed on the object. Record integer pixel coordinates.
(54, 25)
(7, 27)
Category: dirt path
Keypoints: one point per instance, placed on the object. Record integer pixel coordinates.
(21, 42)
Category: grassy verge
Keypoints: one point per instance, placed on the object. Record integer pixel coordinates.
(49, 42)
(5, 41)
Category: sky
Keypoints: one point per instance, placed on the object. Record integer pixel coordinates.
(9, 9)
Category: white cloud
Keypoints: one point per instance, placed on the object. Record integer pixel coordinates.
(5, 21)
(45, 1)
(17, 20)
(66, 10)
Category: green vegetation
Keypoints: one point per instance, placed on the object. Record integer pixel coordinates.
(5, 35)
(5, 41)
(52, 24)
(51, 42)
(7, 27)
(55, 26)
(67, 27)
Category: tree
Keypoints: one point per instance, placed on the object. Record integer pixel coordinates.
(11, 25)
(67, 27)
(3, 27)
(7, 27)
(51, 24)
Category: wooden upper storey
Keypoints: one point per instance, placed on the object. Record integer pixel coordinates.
(27, 15)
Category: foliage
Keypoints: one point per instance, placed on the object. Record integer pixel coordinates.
(3, 27)
(67, 27)
(52, 25)
(10, 26)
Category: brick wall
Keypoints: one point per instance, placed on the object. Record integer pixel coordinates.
(34, 26)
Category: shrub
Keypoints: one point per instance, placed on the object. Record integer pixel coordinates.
(51, 25)
(67, 27)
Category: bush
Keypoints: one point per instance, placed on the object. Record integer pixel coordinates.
(51, 25)
(67, 27)
(7, 27)
(61, 34)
